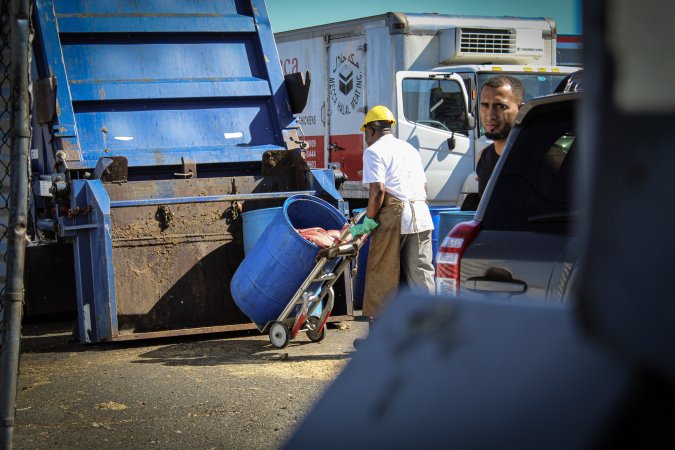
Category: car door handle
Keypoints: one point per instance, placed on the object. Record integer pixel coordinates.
(482, 284)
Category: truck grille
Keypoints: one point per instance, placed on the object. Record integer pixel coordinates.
(480, 40)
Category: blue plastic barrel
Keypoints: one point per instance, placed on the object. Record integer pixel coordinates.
(255, 223)
(435, 217)
(281, 260)
(448, 219)
(359, 280)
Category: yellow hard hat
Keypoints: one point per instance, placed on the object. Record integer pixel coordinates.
(376, 113)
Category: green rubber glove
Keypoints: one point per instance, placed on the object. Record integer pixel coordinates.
(367, 226)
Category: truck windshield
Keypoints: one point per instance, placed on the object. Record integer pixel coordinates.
(536, 84)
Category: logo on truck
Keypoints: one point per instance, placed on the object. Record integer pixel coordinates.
(345, 86)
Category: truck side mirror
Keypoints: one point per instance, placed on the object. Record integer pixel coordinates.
(470, 124)
(298, 90)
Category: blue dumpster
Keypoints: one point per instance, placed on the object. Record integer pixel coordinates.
(281, 260)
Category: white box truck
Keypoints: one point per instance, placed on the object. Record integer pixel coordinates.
(405, 61)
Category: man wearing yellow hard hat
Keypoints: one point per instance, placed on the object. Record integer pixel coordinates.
(398, 216)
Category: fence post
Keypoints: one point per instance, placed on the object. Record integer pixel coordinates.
(20, 138)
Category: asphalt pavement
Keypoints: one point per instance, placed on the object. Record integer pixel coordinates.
(224, 391)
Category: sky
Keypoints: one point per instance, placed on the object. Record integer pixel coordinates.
(291, 14)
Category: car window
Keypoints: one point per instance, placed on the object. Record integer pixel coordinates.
(533, 191)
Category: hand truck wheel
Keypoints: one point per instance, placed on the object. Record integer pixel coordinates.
(313, 333)
(279, 334)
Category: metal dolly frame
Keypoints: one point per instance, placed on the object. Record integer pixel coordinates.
(286, 327)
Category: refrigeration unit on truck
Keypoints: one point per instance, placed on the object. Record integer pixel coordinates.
(405, 61)
(156, 125)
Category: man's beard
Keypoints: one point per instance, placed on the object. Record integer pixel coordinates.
(495, 136)
(499, 135)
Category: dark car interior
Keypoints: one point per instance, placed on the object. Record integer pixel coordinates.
(533, 190)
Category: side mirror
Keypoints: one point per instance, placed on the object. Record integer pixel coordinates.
(470, 124)
(298, 90)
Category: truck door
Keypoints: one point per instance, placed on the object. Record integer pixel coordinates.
(346, 98)
(432, 115)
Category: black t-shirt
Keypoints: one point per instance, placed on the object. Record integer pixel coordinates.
(486, 164)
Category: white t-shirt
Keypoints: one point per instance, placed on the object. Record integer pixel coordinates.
(398, 165)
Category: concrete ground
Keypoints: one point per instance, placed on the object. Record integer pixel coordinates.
(225, 391)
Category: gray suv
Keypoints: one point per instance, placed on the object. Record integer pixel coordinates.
(522, 241)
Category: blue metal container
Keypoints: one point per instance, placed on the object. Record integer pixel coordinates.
(255, 223)
(281, 260)
(171, 115)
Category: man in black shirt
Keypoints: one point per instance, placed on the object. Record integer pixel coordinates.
(500, 99)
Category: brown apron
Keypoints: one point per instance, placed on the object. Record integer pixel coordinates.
(384, 257)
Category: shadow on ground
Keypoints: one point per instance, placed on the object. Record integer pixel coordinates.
(227, 348)
(235, 351)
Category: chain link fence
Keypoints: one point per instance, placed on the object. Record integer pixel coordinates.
(15, 140)
(5, 143)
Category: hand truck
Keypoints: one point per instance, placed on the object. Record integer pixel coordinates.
(296, 316)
